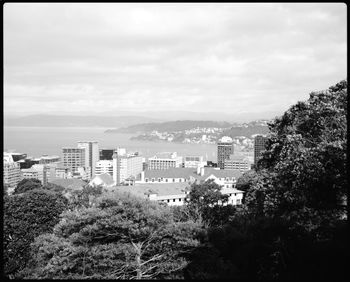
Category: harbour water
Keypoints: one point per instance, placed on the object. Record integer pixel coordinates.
(36, 141)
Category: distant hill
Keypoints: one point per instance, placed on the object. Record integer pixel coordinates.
(169, 126)
(181, 125)
(246, 131)
(76, 121)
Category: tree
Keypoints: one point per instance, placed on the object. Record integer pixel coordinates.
(54, 187)
(27, 184)
(205, 203)
(85, 197)
(27, 215)
(122, 237)
(305, 160)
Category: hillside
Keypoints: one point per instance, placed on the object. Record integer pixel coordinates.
(170, 126)
(75, 121)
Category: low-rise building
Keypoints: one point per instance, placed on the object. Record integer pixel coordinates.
(240, 163)
(45, 159)
(171, 175)
(164, 161)
(193, 161)
(104, 166)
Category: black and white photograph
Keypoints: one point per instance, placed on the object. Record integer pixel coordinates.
(175, 141)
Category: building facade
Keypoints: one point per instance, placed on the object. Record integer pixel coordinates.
(104, 166)
(125, 167)
(193, 161)
(92, 154)
(36, 171)
(164, 161)
(259, 146)
(11, 172)
(73, 158)
(240, 163)
(225, 149)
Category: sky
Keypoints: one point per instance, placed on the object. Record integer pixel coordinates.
(249, 60)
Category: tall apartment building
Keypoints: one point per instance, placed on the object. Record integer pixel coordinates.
(225, 149)
(164, 161)
(193, 161)
(73, 158)
(126, 166)
(92, 154)
(104, 166)
(259, 146)
(240, 163)
(11, 172)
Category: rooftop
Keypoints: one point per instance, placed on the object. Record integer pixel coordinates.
(187, 172)
(143, 190)
(169, 173)
(71, 183)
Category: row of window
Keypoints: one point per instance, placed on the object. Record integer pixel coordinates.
(167, 179)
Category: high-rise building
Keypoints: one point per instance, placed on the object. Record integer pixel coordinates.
(225, 149)
(92, 154)
(164, 161)
(259, 146)
(12, 172)
(106, 154)
(104, 166)
(73, 158)
(126, 166)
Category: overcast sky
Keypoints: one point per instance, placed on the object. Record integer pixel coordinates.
(102, 59)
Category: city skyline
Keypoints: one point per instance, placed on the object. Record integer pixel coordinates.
(241, 60)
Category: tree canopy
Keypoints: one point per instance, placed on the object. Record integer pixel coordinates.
(26, 216)
(27, 184)
(122, 237)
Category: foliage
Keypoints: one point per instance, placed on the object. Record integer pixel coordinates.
(27, 215)
(303, 171)
(54, 187)
(203, 199)
(122, 237)
(27, 184)
(292, 225)
(85, 197)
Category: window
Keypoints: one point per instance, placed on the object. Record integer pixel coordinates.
(159, 179)
(152, 179)
(146, 179)
(238, 201)
(173, 200)
(166, 179)
(173, 179)
(168, 201)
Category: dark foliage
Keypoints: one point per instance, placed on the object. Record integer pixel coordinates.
(26, 216)
(27, 184)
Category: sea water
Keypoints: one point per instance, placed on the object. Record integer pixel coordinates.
(37, 141)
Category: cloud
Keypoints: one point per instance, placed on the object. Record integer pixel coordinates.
(97, 58)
